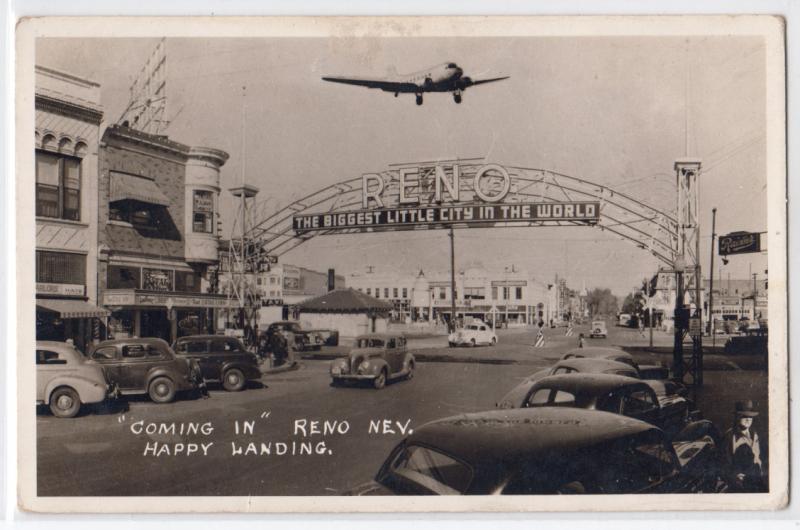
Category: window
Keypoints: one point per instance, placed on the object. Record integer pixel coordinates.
(519, 293)
(60, 267)
(563, 399)
(474, 293)
(157, 280)
(505, 293)
(494, 293)
(391, 344)
(637, 403)
(395, 292)
(538, 398)
(405, 292)
(58, 186)
(377, 292)
(140, 215)
(203, 213)
(369, 291)
(386, 292)
(442, 293)
(48, 357)
(433, 471)
(122, 277)
(187, 281)
(108, 353)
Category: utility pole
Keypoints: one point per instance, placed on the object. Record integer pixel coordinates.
(711, 282)
(452, 280)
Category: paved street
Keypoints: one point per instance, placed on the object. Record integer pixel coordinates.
(103, 452)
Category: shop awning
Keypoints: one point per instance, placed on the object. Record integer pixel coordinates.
(71, 308)
(126, 187)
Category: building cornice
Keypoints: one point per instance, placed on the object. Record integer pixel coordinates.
(53, 103)
(118, 133)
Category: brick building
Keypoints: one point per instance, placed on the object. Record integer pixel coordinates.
(158, 241)
(68, 116)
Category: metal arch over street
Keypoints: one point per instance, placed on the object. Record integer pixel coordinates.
(647, 227)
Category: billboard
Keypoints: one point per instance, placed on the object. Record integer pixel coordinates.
(739, 243)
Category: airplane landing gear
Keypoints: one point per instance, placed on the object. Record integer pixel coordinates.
(396, 94)
(419, 99)
(457, 96)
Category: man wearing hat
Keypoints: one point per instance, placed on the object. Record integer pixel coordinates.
(743, 452)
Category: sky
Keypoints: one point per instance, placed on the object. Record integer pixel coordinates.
(616, 111)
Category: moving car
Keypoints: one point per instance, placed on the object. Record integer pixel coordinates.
(65, 380)
(598, 329)
(472, 334)
(146, 366)
(516, 395)
(377, 358)
(547, 450)
(611, 393)
(646, 371)
(222, 359)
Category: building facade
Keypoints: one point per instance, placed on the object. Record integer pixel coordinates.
(512, 297)
(68, 116)
(158, 241)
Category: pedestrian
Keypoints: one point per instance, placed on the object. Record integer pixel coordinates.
(742, 451)
(580, 340)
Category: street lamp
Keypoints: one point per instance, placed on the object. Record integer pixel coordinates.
(679, 266)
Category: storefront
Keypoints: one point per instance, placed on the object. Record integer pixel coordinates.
(165, 315)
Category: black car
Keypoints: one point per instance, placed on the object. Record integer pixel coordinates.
(546, 451)
(146, 366)
(611, 393)
(222, 359)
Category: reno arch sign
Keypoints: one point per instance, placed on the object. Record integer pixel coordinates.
(443, 195)
(408, 178)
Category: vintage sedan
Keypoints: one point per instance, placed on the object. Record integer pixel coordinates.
(611, 393)
(598, 329)
(222, 359)
(547, 450)
(515, 397)
(472, 334)
(65, 380)
(377, 358)
(646, 371)
(146, 366)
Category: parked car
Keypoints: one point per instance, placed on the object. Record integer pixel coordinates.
(516, 395)
(222, 359)
(598, 329)
(303, 340)
(547, 450)
(65, 380)
(646, 371)
(612, 393)
(146, 366)
(472, 334)
(376, 358)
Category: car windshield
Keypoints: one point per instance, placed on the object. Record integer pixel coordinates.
(369, 343)
(431, 470)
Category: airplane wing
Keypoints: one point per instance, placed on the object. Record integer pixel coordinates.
(482, 81)
(388, 86)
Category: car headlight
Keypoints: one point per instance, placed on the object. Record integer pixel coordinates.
(363, 367)
(505, 404)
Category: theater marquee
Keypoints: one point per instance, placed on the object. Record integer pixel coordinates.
(434, 197)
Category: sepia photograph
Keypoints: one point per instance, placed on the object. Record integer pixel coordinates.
(292, 264)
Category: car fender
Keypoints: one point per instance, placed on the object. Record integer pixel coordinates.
(249, 371)
(88, 390)
(409, 359)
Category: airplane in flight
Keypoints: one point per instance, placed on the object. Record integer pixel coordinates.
(445, 77)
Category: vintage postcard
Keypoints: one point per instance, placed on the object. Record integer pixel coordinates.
(307, 264)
